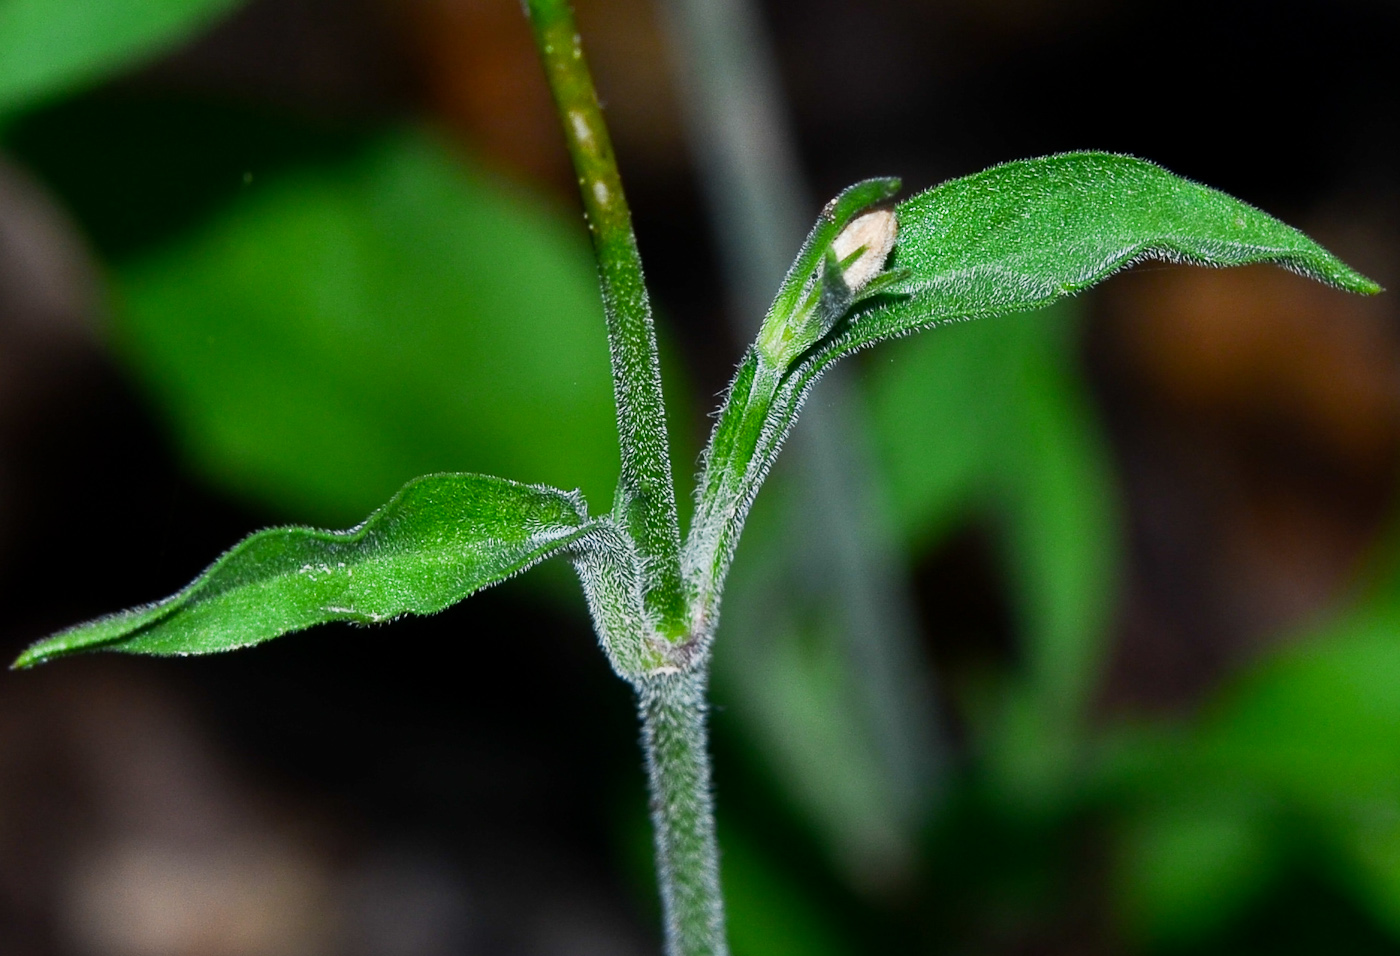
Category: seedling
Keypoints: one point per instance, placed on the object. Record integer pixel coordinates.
(1013, 238)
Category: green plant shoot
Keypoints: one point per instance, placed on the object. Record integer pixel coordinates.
(1010, 239)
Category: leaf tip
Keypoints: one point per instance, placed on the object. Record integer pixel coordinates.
(1336, 273)
(31, 657)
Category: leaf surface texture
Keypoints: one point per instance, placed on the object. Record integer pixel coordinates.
(1017, 237)
(441, 538)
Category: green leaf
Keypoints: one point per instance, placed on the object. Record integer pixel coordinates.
(441, 538)
(1013, 238)
(991, 420)
(762, 400)
(1311, 737)
(51, 46)
(170, 161)
(1193, 862)
(338, 331)
(1020, 236)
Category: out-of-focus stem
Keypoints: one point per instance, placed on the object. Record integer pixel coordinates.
(754, 184)
(646, 502)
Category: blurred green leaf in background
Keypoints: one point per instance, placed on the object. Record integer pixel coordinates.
(1293, 768)
(50, 47)
(321, 342)
(377, 308)
(988, 422)
(992, 419)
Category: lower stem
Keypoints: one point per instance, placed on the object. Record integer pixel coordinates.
(674, 712)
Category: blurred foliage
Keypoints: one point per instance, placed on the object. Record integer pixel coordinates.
(992, 419)
(770, 913)
(346, 330)
(783, 667)
(1294, 766)
(48, 47)
(984, 421)
(169, 161)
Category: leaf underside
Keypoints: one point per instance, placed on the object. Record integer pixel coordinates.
(441, 538)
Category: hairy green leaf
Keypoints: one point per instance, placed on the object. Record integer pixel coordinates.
(49, 46)
(441, 538)
(1013, 238)
(795, 320)
(1019, 236)
(763, 399)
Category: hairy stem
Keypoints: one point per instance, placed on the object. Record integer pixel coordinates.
(646, 502)
(674, 713)
(672, 702)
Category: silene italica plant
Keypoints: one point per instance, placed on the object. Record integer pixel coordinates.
(1010, 239)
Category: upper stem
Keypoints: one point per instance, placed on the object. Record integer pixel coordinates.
(646, 500)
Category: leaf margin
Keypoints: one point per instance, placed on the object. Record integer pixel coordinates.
(124, 630)
(881, 319)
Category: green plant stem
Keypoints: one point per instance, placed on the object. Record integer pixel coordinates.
(672, 701)
(646, 502)
(753, 179)
(674, 713)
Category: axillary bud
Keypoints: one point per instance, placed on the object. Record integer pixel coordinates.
(853, 259)
(864, 245)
